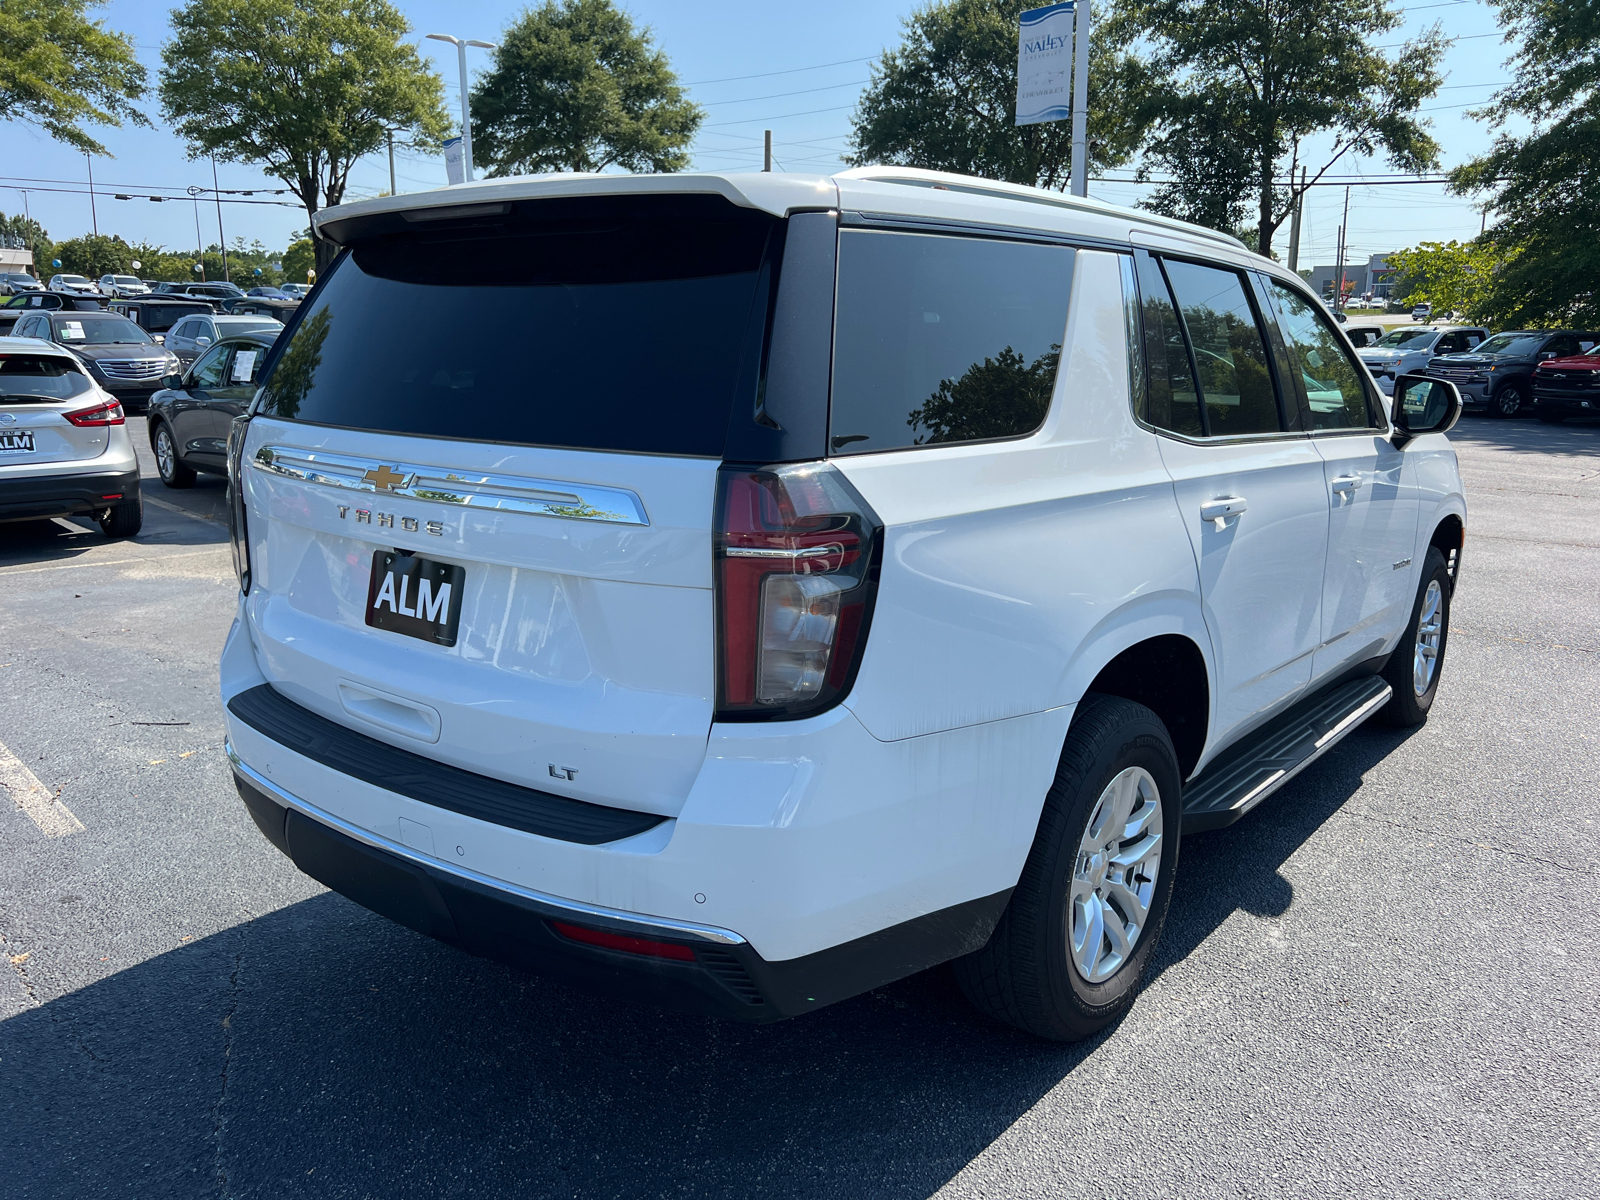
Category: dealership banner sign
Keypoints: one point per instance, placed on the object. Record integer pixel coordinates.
(1044, 64)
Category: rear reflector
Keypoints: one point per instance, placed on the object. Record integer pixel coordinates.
(113, 496)
(628, 945)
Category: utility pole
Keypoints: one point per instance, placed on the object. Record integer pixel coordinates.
(766, 155)
(1294, 225)
(1338, 295)
(222, 238)
(461, 45)
(393, 191)
(93, 216)
(1080, 99)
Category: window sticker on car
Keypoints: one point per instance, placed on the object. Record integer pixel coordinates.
(72, 331)
(244, 364)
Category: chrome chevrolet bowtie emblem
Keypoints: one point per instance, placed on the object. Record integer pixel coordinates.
(385, 480)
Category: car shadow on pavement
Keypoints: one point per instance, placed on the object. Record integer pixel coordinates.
(321, 1050)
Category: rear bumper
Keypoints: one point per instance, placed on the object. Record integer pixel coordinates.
(42, 496)
(717, 972)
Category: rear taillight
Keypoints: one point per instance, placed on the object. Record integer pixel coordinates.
(796, 559)
(238, 531)
(109, 413)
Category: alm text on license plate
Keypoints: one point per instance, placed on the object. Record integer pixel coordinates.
(415, 596)
(16, 441)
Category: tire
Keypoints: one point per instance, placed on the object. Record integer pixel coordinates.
(124, 519)
(171, 468)
(1408, 706)
(1509, 401)
(1028, 974)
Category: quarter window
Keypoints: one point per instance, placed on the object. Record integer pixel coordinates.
(944, 339)
(1331, 378)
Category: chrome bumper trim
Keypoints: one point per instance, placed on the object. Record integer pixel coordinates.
(650, 927)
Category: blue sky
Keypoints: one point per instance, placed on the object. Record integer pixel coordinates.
(796, 69)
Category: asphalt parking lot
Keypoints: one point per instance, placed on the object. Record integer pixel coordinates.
(1384, 982)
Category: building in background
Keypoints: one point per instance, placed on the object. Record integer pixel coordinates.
(15, 257)
(1372, 278)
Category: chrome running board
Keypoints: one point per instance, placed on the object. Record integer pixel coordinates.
(1247, 774)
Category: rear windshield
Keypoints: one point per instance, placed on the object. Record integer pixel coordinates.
(30, 378)
(607, 325)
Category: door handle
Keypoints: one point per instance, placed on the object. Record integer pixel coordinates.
(1347, 483)
(1219, 510)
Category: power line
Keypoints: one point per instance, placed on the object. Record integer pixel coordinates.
(782, 116)
(778, 95)
(791, 71)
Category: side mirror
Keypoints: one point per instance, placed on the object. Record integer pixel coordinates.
(202, 341)
(159, 339)
(1424, 405)
(173, 383)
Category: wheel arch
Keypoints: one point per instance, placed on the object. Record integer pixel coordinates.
(1449, 535)
(1159, 657)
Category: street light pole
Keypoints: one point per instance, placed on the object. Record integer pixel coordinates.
(222, 237)
(461, 45)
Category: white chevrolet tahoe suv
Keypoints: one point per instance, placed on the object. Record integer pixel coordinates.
(742, 591)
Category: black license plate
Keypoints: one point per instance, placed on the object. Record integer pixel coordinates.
(415, 596)
(16, 441)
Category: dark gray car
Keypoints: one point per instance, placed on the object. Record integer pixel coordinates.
(1498, 375)
(189, 418)
(121, 357)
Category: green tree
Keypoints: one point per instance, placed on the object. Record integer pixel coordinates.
(1543, 186)
(1267, 77)
(59, 70)
(299, 261)
(1451, 276)
(303, 88)
(33, 236)
(946, 100)
(576, 86)
(158, 263)
(94, 255)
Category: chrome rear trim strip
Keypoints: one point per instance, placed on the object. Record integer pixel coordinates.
(650, 927)
(469, 489)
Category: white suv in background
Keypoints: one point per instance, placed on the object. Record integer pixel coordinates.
(1411, 347)
(72, 285)
(123, 287)
(758, 588)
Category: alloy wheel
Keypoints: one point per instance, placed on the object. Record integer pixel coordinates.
(166, 456)
(1114, 876)
(1430, 633)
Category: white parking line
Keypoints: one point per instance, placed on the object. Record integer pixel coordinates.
(184, 512)
(106, 562)
(52, 817)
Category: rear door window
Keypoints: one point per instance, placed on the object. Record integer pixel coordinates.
(944, 339)
(1230, 355)
(1170, 401)
(619, 324)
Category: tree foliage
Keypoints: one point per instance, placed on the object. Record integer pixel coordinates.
(1451, 276)
(1544, 185)
(303, 88)
(1257, 79)
(994, 398)
(94, 255)
(299, 261)
(946, 100)
(59, 70)
(576, 86)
